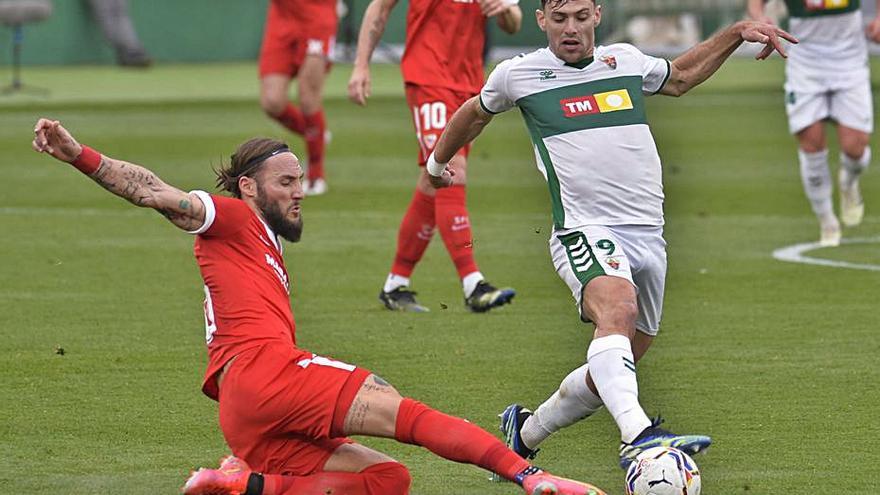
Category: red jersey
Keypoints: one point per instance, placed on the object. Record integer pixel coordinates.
(444, 44)
(310, 18)
(247, 291)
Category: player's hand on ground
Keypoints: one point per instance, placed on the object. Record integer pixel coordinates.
(873, 30)
(767, 34)
(359, 85)
(491, 8)
(52, 138)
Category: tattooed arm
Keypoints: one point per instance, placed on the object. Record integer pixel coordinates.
(372, 27)
(142, 187)
(134, 183)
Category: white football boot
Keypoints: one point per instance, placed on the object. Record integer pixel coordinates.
(852, 207)
(316, 187)
(830, 231)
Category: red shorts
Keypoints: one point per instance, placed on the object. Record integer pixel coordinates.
(431, 108)
(285, 46)
(282, 409)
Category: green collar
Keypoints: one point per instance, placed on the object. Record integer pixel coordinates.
(580, 64)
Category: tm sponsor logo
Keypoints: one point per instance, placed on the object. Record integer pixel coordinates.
(611, 101)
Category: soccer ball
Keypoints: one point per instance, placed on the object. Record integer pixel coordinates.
(663, 471)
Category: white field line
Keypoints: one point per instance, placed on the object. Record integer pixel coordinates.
(795, 254)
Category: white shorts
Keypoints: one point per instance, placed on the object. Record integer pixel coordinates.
(850, 106)
(636, 253)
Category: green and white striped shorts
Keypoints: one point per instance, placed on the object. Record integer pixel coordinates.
(636, 253)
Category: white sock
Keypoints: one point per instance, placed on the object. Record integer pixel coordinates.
(816, 179)
(614, 373)
(573, 402)
(470, 281)
(854, 168)
(394, 281)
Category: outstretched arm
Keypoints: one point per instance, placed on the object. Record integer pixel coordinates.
(466, 124)
(372, 27)
(697, 64)
(131, 182)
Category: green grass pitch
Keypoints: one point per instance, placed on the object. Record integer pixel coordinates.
(777, 361)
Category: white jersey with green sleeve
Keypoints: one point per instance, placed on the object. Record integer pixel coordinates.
(589, 129)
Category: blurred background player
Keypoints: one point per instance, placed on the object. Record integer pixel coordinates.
(112, 16)
(827, 78)
(595, 149)
(298, 42)
(284, 411)
(442, 67)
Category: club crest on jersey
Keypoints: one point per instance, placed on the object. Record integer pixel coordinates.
(546, 75)
(430, 140)
(612, 262)
(610, 61)
(610, 101)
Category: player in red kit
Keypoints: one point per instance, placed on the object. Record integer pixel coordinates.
(285, 412)
(442, 68)
(298, 42)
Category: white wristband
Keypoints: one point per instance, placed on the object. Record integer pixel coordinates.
(433, 167)
(510, 3)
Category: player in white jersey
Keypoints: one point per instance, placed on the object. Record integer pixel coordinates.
(584, 108)
(827, 78)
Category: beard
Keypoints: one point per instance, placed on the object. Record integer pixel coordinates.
(278, 222)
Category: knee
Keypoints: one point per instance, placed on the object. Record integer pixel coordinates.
(273, 104)
(459, 166)
(424, 184)
(624, 313)
(812, 138)
(812, 146)
(389, 478)
(310, 96)
(618, 317)
(309, 102)
(854, 146)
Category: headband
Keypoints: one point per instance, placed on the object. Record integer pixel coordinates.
(257, 160)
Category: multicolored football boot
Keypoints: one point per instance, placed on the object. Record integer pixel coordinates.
(654, 436)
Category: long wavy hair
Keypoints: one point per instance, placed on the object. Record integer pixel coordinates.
(241, 163)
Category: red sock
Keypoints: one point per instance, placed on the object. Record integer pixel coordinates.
(314, 135)
(416, 231)
(455, 439)
(455, 228)
(292, 118)
(387, 478)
